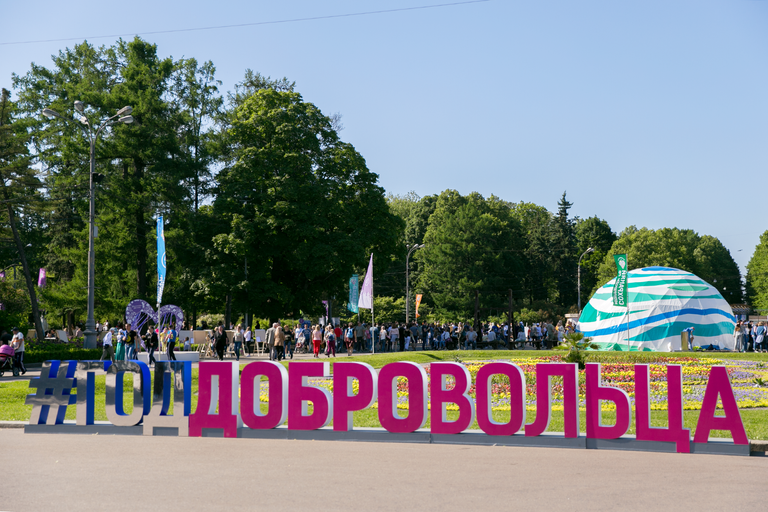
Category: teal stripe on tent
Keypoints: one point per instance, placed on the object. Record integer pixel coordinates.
(633, 324)
(665, 331)
(640, 284)
(642, 297)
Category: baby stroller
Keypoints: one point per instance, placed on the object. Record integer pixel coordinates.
(301, 345)
(6, 360)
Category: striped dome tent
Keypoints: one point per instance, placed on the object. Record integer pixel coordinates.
(662, 302)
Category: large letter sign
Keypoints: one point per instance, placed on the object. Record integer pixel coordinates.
(218, 385)
(230, 402)
(300, 393)
(674, 433)
(250, 393)
(570, 374)
(719, 385)
(417, 397)
(345, 401)
(595, 394)
(442, 396)
(516, 399)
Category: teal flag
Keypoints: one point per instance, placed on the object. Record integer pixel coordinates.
(620, 296)
(354, 293)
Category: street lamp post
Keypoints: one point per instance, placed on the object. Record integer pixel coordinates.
(122, 116)
(578, 277)
(408, 281)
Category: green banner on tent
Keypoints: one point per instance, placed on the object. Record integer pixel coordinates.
(620, 286)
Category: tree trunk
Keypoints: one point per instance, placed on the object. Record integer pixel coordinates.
(24, 265)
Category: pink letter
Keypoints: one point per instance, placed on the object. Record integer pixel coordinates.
(719, 384)
(595, 394)
(570, 373)
(417, 396)
(300, 393)
(344, 399)
(250, 390)
(441, 396)
(675, 433)
(516, 398)
(218, 383)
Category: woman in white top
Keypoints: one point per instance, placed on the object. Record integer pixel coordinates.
(18, 347)
(248, 336)
(738, 338)
(393, 335)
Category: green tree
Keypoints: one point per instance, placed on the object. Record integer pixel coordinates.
(473, 245)
(757, 275)
(159, 164)
(299, 201)
(18, 188)
(595, 233)
(538, 278)
(563, 253)
(684, 249)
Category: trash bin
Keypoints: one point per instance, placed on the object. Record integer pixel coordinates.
(684, 341)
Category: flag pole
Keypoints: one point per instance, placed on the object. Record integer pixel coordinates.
(627, 285)
(373, 322)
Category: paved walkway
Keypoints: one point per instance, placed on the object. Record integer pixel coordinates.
(85, 472)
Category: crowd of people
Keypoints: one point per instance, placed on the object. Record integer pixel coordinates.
(123, 343)
(751, 337)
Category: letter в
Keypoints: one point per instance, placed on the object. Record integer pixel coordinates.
(417, 397)
(441, 396)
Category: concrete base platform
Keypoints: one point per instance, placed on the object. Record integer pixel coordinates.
(469, 437)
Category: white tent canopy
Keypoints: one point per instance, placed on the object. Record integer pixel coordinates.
(662, 303)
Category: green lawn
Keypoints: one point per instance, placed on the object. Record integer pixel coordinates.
(12, 394)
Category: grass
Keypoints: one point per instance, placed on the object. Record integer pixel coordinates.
(12, 394)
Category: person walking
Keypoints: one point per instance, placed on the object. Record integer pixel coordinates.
(17, 344)
(349, 339)
(154, 342)
(172, 337)
(247, 338)
(330, 343)
(270, 341)
(760, 337)
(130, 343)
(238, 338)
(738, 338)
(279, 343)
(108, 352)
(120, 352)
(288, 347)
(317, 340)
(220, 341)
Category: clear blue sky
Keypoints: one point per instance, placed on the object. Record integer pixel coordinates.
(651, 113)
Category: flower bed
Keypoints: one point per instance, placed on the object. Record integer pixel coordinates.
(621, 375)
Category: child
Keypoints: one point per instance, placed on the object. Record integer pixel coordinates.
(187, 346)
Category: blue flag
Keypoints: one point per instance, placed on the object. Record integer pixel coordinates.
(160, 260)
(354, 293)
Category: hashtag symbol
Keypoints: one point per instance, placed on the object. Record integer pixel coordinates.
(49, 403)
